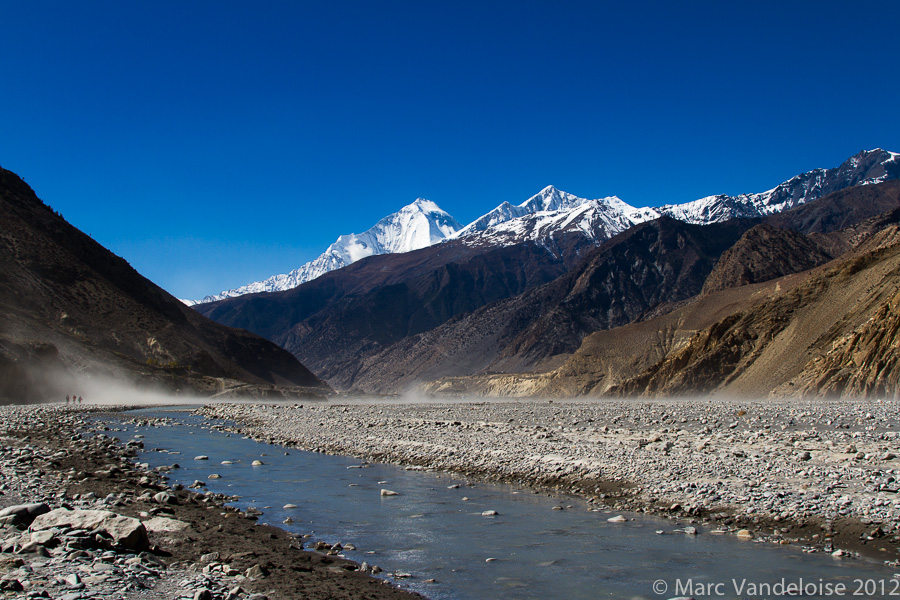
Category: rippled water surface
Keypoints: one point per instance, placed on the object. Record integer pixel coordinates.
(529, 550)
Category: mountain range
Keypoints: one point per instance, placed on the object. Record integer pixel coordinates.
(551, 214)
(789, 292)
(517, 292)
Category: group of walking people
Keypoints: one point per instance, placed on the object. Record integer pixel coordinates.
(75, 399)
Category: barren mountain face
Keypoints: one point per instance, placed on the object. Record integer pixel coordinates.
(69, 308)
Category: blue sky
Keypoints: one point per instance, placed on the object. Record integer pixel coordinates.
(216, 143)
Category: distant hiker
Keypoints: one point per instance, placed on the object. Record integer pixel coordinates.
(79, 399)
(67, 398)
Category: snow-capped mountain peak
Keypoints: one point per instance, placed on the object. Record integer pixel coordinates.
(416, 225)
(552, 212)
(866, 167)
(548, 199)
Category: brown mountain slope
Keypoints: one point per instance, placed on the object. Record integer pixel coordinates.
(608, 358)
(765, 253)
(652, 263)
(807, 236)
(792, 339)
(69, 305)
(864, 362)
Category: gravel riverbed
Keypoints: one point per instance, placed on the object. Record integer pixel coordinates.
(81, 520)
(822, 474)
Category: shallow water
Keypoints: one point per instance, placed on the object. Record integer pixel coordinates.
(430, 531)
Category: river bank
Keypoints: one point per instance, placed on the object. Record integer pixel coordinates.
(823, 475)
(150, 541)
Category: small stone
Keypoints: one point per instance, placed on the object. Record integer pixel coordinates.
(165, 525)
(256, 463)
(255, 572)
(165, 498)
(745, 534)
(617, 519)
(203, 594)
(201, 457)
(489, 513)
(234, 593)
(385, 492)
(43, 537)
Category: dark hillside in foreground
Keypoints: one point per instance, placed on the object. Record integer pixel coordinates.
(70, 308)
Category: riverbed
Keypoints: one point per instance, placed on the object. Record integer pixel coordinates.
(449, 537)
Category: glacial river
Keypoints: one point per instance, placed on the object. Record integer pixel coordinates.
(530, 549)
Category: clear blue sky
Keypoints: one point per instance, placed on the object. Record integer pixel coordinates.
(214, 143)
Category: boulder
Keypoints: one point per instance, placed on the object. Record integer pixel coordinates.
(125, 532)
(24, 514)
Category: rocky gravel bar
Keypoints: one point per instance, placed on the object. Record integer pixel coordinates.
(821, 474)
(80, 520)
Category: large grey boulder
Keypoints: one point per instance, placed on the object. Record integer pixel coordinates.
(125, 532)
(24, 514)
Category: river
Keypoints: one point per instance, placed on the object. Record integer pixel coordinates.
(536, 546)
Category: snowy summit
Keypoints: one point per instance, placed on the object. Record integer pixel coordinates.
(414, 226)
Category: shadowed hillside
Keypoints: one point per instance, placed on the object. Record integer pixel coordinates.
(70, 308)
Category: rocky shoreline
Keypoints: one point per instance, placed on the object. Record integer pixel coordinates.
(80, 520)
(822, 474)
